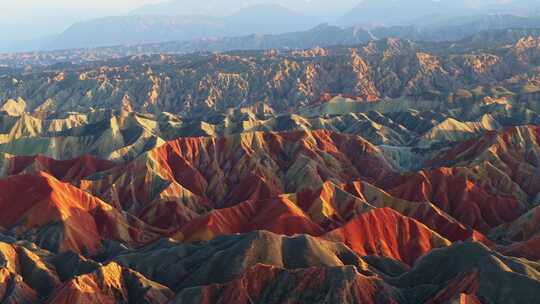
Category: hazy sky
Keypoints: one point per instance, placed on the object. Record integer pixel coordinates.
(13, 10)
(22, 20)
(28, 19)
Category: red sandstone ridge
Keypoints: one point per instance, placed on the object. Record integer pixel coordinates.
(280, 216)
(514, 151)
(317, 211)
(29, 203)
(461, 290)
(384, 232)
(524, 235)
(66, 170)
(312, 212)
(528, 249)
(424, 212)
(316, 285)
(460, 194)
(111, 284)
(184, 178)
(14, 290)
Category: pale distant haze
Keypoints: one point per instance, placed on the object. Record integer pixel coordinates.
(56, 24)
(31, 19)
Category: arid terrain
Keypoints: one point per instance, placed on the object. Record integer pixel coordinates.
(381, 171)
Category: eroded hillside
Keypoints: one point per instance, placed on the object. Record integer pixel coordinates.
(391, 172)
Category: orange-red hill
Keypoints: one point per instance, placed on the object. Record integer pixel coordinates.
(265, 283)
(66, 170)
(384, 232)
(185, 177)
(111, 284)
(61, 217)
(279, 215)
(458, 192)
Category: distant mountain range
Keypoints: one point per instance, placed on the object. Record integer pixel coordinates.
(187, 20)
(459, 28)
(422, 12)
(319, 36)
(319, 8)
(137, 29)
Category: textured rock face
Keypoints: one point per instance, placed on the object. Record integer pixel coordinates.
(111, 284)
(196, 84)
(267, 284)
(280, 177)
(202, 173)
(61, 217)
(458, 192)
(383, 232)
